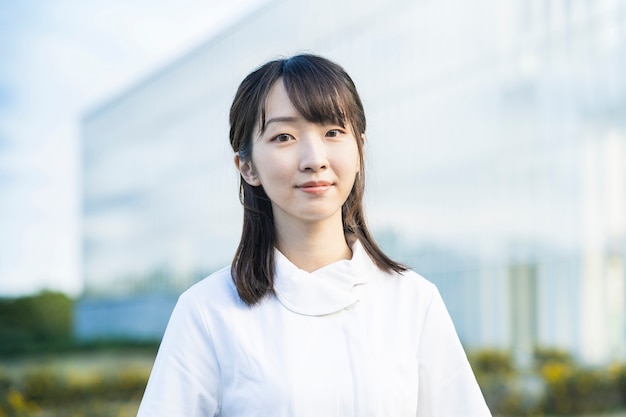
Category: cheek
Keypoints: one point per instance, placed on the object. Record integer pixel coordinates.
(270, 167)
(348, 167)
(357, 159)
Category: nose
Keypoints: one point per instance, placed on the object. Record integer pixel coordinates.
(313, 154)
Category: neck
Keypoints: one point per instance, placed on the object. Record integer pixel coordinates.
(314, 245)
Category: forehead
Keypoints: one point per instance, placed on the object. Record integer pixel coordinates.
(278, 103)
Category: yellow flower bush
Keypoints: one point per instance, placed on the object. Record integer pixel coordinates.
(56, 392)
(15, 405)
(556, 372)
(564, 388)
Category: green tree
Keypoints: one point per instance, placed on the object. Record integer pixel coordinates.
(35, 322)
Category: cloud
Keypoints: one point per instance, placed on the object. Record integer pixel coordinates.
(5, 96)
(5, 144)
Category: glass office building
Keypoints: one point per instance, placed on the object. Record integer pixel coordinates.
(495, 156)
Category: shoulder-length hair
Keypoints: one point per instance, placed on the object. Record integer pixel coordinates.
(322, 92)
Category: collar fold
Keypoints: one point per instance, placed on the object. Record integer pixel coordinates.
(327, 290)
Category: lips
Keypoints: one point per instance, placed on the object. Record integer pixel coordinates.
(315, 187)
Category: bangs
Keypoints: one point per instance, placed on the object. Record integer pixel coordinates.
(321, 93)
(318, 99)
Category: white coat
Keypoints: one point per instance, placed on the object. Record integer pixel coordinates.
(346, 340)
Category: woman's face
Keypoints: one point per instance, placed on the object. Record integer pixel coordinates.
(306, 169)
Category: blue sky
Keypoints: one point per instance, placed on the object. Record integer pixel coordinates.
(58, 60)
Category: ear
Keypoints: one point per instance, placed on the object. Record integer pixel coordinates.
(247, 171)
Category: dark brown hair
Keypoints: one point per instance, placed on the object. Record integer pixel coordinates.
(322, 92)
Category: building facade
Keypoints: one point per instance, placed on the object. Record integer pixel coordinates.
(495, 156)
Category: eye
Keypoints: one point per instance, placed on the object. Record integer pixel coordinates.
(283, 137)
(333, 133)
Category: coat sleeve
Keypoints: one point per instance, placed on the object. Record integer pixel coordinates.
(185, 379)
(447, 386)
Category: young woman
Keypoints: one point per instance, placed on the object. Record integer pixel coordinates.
(312, 318)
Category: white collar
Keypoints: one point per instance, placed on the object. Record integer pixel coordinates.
(327, 290)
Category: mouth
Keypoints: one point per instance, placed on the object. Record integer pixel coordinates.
(315, 187)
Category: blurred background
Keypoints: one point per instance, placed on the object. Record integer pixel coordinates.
(496, 168)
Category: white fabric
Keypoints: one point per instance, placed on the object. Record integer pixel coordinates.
(345, 340)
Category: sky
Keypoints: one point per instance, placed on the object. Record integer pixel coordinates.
(59, 60)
